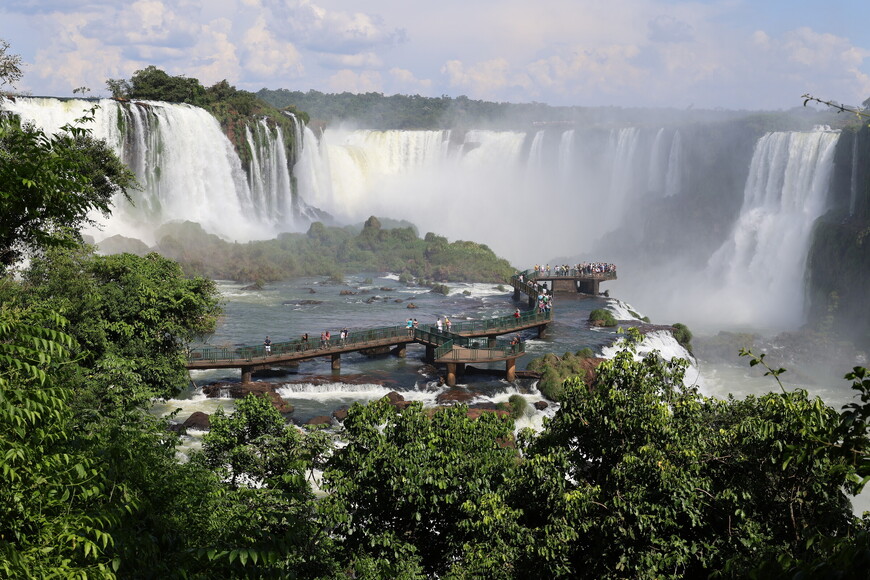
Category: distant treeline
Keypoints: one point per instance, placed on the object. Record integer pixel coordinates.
(334, 252)
(382, 112)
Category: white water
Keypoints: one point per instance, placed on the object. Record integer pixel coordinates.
(756, 279)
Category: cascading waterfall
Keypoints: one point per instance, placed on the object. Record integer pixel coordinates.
(756, 279)
(187, 167)
(853, 182)
(674, 176)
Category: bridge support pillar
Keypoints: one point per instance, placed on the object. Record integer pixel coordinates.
(451, 374)
(400, 349)
(490, 341)
(430, 354)
(542, 330)
(516, 293)
(246, 374)
(589, 286)
(336, 361)
(510, 368)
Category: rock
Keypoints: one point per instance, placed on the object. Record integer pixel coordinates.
(398, 300)
(541, 405)
(385, 289)
(340, 415)
(319, 420)
(394, 397)
(475, 413)
(311, 291)
(198, 420)
(453, 396)
(254, 286)
(347, 293)
(370, 300)
(411, 305)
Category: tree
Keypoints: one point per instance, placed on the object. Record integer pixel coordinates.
(10, 65)
(56, 505)
(133, 318)
(400, 491)
(50, 184)
(642, 477)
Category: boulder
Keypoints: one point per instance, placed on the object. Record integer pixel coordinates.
(411, 305)
(453, 396)
(198, 420)
(347, 293)
(541, 405)
(340, 415)
(319, 420)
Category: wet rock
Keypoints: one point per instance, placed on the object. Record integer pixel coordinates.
(319, 420)
(340, 415)
(453, 396)
(411, 305)
(197, 420)
(347, 293)
(541, 405)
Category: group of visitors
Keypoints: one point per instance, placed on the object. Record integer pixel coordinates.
(582, 269)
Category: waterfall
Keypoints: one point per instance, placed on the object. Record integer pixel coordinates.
(674, 175)
(853, 183)
(757, 277)
(657, 164)
(187, 167)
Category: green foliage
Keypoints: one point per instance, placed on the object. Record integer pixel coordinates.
(404, 482)
(518, 405)
(642, 476)
(323, 251)
(132, 318)
(602, 317)
(55, 504)
(556, 370)
(683, 335)
(49, 184)
(10, 65)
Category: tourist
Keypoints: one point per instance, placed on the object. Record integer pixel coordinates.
(305, 341)
(438, 324)
(409, 324)
(517, 313)
(327, 336)
(447, 323)
(267, 346)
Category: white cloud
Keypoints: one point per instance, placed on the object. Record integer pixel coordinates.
(359, 60)
(267, 57)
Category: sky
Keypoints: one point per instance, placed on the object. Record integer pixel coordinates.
(707, 54)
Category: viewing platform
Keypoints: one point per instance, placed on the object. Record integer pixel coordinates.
(572, 280)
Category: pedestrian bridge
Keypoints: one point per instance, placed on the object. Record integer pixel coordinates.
(473, 341)
(466, 342)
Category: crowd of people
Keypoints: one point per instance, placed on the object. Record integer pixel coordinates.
(582, 269)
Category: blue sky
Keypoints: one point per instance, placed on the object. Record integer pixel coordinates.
(733, 54)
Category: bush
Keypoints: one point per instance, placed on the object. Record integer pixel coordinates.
(518, 405)
(586, 353)
(683, 335)
(602, 317)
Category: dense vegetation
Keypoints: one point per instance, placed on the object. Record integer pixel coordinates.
(333, 251)
(636, 476)
(378, 111)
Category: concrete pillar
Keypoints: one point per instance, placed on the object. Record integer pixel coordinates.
(451, 374)
(490, 340)
(510, 367)
(246, 374)
(430, 353)
(399, 351)
(516, 293)
(336, 361)
(542, 330)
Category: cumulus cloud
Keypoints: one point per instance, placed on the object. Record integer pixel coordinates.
(267, 57)
(484, 79)
(406, 82)
(342, 61)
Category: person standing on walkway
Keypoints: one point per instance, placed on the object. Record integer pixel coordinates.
(267, 346)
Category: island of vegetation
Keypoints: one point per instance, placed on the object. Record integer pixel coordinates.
(635, 476)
